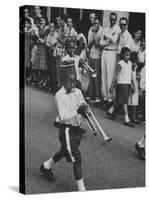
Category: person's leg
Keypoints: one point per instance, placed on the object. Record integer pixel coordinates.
(58, 63)
(77, 167)
(125, 107)
(134, 114)
(126, 117)
(98, 79)
(111, 63)
(53, 74)
(104, 74)
(91, 88)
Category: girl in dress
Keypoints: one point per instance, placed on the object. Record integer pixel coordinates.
(134, 95)
(41, 58)
(123, 77)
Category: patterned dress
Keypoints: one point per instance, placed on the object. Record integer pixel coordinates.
(41, 58)
(28, 44)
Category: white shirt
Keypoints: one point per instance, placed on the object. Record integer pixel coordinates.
(124, 76)
(141, 56)
(125, 40)
(76, 59)
(67, 104)
(135, 46)
(83, 52)
(95, 52)
(52, 39)
(112, 36)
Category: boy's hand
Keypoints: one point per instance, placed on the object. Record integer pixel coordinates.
(82, 110)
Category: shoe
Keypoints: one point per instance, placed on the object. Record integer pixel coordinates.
(87, 98)
(141, 151)
(130, 124)
(135, 121)
(97, 100)
(111, 115)
(47, 172)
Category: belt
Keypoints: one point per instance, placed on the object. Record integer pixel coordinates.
(69, 126)
(110, 49)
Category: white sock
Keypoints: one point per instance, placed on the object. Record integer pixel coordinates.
(141, 143)
(111, 109)
(57, 119)
(48, 164)
(80, 185)
(126, 118)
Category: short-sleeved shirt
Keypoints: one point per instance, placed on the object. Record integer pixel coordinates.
(113, 33)
(125, 40)
(124, 76)
(95, 52)
(67, 104)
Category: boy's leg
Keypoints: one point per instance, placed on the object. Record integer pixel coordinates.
(127, 120)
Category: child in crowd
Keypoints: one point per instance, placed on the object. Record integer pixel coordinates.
(134, 94)
(142, 92)
(123, 77)
(141, 55)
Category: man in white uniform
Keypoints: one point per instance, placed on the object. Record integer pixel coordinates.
(109, 42)
(125, 39)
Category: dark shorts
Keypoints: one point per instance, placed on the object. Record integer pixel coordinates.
(122, 93)
(70, 139)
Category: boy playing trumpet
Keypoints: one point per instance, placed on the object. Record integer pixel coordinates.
(71, 108)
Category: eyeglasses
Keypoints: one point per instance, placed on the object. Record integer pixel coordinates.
(123, 24)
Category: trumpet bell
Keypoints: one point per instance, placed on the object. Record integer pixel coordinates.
(107, 141)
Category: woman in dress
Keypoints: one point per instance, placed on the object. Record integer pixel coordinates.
(41, 58)
(136, 41)
(28, 32)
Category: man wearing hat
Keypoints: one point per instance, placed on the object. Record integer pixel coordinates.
(71, 107)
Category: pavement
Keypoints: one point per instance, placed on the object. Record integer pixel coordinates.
(113, 166)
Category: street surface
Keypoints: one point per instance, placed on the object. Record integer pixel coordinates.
(115, 165)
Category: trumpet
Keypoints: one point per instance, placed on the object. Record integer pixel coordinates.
(89, 117)
(88, 68)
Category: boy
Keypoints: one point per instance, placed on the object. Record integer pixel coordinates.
(71, 107)
(70, 50)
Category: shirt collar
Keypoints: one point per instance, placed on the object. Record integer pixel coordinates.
(65, 92)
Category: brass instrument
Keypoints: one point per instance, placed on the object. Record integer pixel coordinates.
(90, 117)
(88, 68)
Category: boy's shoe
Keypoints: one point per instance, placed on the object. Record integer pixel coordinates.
(141, 151)
(47, 172)
(130, 124)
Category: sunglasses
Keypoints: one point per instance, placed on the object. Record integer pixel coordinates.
(123, 24)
